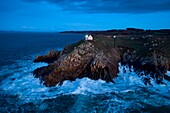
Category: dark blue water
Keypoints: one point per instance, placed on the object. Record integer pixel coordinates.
(17, 45)
(21, 92)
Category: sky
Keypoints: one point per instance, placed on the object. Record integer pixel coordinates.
(63, 15)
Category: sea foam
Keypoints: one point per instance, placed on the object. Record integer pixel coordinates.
(127, 90)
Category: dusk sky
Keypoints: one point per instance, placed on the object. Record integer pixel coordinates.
(60, 15)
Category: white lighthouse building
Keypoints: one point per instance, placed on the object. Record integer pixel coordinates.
(88, 37)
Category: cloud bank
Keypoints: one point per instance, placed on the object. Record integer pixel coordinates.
(110, 6)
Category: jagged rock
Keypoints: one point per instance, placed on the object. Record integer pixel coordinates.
(84, 61)
(104, 67)
(49, 58)
(154, 64)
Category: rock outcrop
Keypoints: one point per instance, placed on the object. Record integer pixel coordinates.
(49, 58)
(84, 61)
(152, 65)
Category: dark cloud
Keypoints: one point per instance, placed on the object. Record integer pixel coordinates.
(111, 6)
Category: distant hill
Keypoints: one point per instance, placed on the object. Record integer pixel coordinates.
(127, 31)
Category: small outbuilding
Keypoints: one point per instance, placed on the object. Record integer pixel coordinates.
(89, 37)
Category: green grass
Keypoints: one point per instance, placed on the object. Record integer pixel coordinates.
(105, 44)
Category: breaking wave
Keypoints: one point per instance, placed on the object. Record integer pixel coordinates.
(128, 94)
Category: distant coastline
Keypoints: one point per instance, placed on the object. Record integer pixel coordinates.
(127, 31)
(92, 31)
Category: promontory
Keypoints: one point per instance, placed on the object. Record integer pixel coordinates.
(99, 54)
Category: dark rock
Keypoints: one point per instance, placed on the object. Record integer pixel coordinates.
(154, 63)
(49, 58)
(83, 61)
(167, 77)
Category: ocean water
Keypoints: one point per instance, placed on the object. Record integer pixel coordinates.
(21, 92)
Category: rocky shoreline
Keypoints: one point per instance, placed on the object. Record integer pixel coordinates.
(98, 59)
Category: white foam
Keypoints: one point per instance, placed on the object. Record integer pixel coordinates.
(168, 73)
(128, 85)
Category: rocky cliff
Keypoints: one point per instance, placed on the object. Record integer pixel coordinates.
(85, 60)
(98, 59)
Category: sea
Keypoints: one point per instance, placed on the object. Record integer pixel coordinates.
(20, 92)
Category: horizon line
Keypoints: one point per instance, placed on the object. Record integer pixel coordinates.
(1, 30)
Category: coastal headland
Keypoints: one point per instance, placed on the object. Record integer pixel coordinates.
(146, 51)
